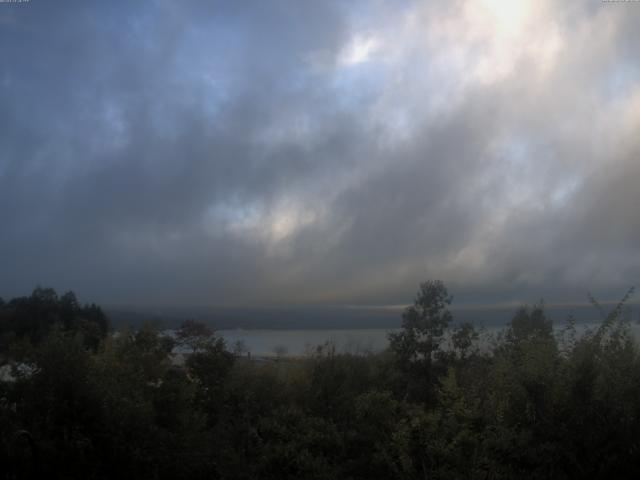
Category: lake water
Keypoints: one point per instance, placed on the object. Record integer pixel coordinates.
(300, 342)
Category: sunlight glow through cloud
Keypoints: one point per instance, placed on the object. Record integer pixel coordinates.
(359, 50)
(319, 150)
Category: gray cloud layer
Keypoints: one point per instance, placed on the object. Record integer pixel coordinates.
(291, 152)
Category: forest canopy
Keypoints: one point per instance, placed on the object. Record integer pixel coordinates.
(445, 400)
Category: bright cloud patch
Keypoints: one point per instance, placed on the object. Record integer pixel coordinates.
(320, 151)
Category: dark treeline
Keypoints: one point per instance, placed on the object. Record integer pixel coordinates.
(441, 402)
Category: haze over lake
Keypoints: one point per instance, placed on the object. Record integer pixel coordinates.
(270, 343)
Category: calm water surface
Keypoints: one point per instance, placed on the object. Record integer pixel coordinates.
(300, 342)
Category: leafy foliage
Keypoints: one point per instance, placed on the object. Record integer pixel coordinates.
(32, 318)
(443, 402)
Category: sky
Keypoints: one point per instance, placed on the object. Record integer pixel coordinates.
(288, 152)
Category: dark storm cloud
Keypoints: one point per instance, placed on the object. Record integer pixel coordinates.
(270, 152)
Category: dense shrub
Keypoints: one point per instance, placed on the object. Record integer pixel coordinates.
(533, 404)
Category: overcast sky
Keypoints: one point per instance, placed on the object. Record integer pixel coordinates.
(292, 152)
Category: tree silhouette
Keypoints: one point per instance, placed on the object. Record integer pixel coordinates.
(417, 346)
(194, 335)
